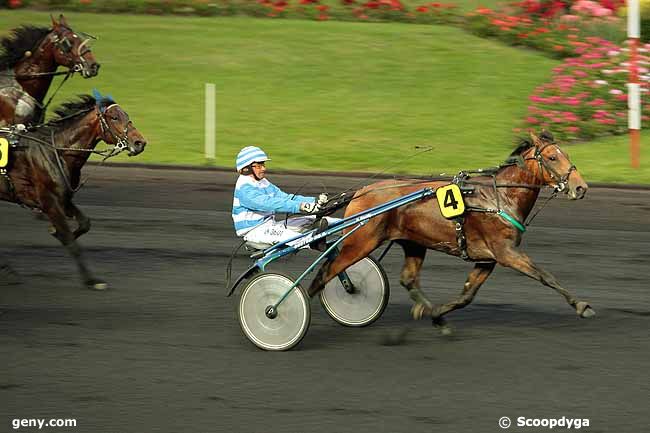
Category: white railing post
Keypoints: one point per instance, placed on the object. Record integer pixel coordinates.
(210, 121)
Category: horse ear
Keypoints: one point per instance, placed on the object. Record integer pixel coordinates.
(62, 20)
(547, 136)
(534, 138)
(54, 23)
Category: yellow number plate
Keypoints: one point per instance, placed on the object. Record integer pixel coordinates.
(4, 152)
(450, 200)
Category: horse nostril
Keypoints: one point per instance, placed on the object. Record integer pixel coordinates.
(140, 144)
(580, 191)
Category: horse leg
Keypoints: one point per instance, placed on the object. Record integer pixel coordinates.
(521, 262)
(64, 234)
(83, 222)
(475, 279)
(410, 278)
(354, 249)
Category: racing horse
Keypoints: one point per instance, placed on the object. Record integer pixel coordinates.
(44, 165)
(488, 233)
(28, 63)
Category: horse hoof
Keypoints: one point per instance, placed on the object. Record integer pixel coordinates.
(441, 324)
(97, 285)
(418, 311)
(51, 230)
(584, 310)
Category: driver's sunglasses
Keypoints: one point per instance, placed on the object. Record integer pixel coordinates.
(258, 164)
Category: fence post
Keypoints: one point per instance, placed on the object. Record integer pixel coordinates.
(210, 121)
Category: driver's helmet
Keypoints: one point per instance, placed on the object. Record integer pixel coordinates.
(249, 155)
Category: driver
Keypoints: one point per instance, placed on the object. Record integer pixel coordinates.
(256, 201)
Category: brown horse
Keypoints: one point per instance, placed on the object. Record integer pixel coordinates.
(28, 63)
(45, 165)
(483, 235)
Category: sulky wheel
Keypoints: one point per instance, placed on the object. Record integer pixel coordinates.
(281, 329)
(364, 302)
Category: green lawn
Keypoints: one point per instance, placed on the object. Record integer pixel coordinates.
(324, 95)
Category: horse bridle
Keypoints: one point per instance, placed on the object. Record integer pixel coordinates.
(63, 44)
(562, 181)
(121, 142)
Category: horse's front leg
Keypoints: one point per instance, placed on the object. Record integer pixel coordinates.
(83, 222)
(475, 280)
(521, 262)
(64, 234)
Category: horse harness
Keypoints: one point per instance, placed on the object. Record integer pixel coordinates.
(467, 188)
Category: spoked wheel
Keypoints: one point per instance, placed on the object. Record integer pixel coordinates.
(364, 302)
(275, 330)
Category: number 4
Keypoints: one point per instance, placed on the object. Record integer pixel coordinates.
(450, 200)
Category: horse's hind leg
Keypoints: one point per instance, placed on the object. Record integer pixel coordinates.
(521, 262)
(475, 279)
(65, 235)
(410, 278)
(355, 248)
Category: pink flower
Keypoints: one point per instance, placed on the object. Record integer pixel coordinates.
(596, 103)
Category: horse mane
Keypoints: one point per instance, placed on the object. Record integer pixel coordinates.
(21, 39)
(67, 112)
(525, 143)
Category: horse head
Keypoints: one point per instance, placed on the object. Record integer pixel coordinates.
(71, 49)
(554, 166)
(116, 128)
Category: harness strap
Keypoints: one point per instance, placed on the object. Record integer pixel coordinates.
(519, 226)
(460, 237)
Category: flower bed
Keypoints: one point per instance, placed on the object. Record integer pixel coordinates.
(587, 96)
(344, 10)
(546, 26)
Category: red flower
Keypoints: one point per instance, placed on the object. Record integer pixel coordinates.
(322, 8)
(422, 9)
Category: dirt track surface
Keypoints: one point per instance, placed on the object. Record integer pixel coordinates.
(162, 350)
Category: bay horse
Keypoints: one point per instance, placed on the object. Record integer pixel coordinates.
(489, 232)
(28, 63)
(44, 167)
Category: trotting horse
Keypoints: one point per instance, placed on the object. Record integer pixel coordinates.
(28, 63)
(488, 233)
(44, 166)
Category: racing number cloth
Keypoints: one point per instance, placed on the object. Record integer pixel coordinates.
(4, 152)
(450, 200)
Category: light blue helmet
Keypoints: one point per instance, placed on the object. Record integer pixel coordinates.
(249, 155)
